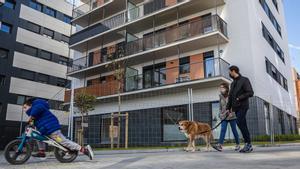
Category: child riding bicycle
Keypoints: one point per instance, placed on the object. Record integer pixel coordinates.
(48, 125)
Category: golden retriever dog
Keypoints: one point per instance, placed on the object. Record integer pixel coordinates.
(195, 130)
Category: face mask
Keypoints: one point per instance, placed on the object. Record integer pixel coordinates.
(231, 76)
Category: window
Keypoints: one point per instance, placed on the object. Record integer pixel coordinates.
(209, 64)
(61, 82)
(1, 107)
(33, 27)
(43, 78)
(3, 53)
(63, 60)
(2, 80)
(67, 19)
(5, 27)
(271, 41)
(10, 4)
(170, 130)
(48, 33)
(30, 50)
(21, 100)
(35, 5)
(184, 65)
(285, 84)
(65, 39)
(275, 4)
(27, 74)
(270, 14)
(50, 11)
(276, 75)
(46, 55)
(274, 72)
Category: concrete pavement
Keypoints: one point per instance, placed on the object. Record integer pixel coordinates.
(284, 157)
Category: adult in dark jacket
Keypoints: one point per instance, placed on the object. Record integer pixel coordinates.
(238, 102)
(48, 125)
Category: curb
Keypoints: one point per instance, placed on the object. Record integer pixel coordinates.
(112, 152)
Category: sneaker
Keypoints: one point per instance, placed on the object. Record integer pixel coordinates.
(237, 147)
(247, 149)
(89, 152)
(40, 154)
(218, 147)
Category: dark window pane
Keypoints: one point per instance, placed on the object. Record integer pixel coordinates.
(5, 27)
(30, 50)
(65, 39)
(3, 53)
(33, 27)
(63, 60)
(43, 78)
(61, 82)
(67, 19)
(35, 5)
(46, 55)
(10, 4)
(2, 80)
(50, 11)
(26, 74)
(48, 33)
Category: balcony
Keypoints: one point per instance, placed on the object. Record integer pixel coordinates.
(207, 73)
(190, 36)
(136, 18)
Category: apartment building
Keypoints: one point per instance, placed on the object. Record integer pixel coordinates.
(177, 53)
(34, 53)
(296, 80)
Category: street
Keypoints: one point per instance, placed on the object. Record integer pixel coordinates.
(287, 157)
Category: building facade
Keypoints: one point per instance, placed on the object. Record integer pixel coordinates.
(176, 53)
(296, 79)
(34, 55)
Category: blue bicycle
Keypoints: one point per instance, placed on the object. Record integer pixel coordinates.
(19, 150)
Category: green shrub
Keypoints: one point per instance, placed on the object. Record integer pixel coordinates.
(288, 137)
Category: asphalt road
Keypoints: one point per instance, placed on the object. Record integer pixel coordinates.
(286, 157)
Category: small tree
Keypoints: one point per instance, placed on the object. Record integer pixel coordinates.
(85, 103)
(119, 71)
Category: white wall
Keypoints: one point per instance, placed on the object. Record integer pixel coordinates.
(42, 19)
(247, 49)
(39, 65)
(36, 89)
(26, 37)
(14, 113)
(161, 100)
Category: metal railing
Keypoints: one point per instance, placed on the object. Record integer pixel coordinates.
(157, 39)
(209, 68)
(128, 15)
(87, 7)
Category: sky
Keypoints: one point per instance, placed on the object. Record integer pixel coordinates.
(292, 15)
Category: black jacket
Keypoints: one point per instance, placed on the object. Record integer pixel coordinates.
(240, 92)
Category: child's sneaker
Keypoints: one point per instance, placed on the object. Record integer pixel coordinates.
(237, 147)
(218, 147)
(88, 151)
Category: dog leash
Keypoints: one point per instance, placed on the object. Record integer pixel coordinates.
(227, 114)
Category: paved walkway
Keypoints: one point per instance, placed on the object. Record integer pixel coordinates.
(284, 157)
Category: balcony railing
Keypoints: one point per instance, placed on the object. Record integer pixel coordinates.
(209, 68)
(87, 7)
(128, 15)
(159, 39)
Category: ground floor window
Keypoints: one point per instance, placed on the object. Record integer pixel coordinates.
(170, 115)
